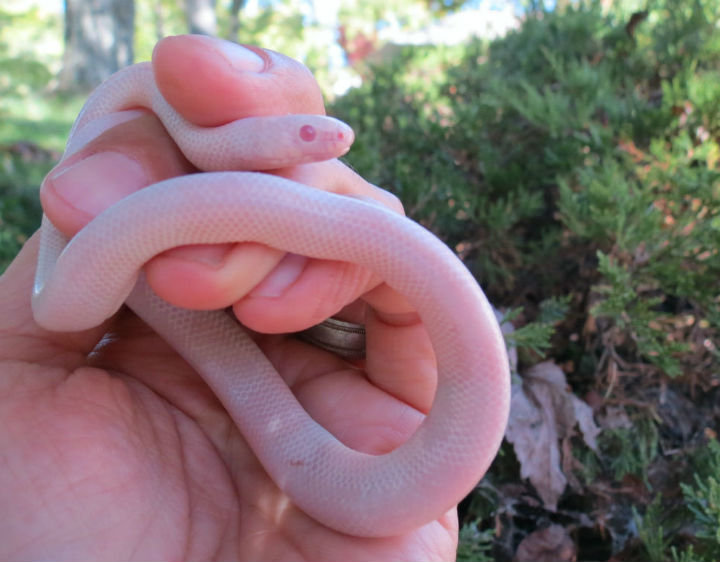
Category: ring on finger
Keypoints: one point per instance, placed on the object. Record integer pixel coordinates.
(344, 339)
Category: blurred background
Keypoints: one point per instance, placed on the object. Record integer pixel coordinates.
(567, 151)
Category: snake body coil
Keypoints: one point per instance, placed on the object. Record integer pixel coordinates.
(83, 281)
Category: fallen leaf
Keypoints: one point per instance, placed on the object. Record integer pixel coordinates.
(615, 417)
(532, 430)
(507, 328)
(543, 412)
(551, 544)
(588, 427)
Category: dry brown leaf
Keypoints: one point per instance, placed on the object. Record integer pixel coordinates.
(588, 427)
(542, 413)
(507, 328)
(615, 417)
(532, 429)
(552, 544)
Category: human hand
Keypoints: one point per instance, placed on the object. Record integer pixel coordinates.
(114, 446)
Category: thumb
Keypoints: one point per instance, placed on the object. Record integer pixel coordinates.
(211, 81)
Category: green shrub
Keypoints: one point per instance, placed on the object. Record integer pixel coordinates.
(474, 545)
(20, 210)
(568, 159)
(702, 498)
(651, 531)
(577, 162)
(630, 450)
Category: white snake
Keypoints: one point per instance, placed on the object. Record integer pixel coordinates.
(82, 282)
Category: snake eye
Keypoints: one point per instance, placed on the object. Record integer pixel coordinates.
(308, 133)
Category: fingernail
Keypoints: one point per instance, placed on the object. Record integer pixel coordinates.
(239, 57)
(284, 275)
(211, 254)
(98, 181)
(92, 130)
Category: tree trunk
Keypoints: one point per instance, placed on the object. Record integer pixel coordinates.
(159, 20)
(98, 41)
(201, 17)
(234, 31)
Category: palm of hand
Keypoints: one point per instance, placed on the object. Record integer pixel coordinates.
(126, 454)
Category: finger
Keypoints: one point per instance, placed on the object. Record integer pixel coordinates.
(132, 150)
(119, 161)
(337, 177)
(193, 72)
(132, 154)
(269, 104)
(271, 294)
(400, 360)
(399, 357)
(203, 277)
(299, 292)
(124, 152)
(338, 397)
(377, 412)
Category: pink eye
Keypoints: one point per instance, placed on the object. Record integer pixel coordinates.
(307, 133)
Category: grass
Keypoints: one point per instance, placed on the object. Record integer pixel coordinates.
(43, 120)
(33, 131)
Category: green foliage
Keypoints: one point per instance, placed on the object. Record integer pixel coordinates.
(534, 339)
(33, 123)
(553, 310)
(630, 450)
(655, 220)
(688, 555)
(155, 19)
(296, 28)
(21, 72)
(650, 530)
(570, 149)
(396, 137)
(30, 49)
(702, 498)
(662, 521)
(19, 204)
(39, 118)
(474, 545)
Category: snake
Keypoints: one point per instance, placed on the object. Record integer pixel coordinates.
(82, 281)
